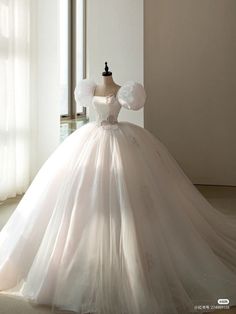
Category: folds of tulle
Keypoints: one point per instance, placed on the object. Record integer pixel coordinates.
(111, 224)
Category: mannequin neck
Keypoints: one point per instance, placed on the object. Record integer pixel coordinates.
(108, 87)
(108, 81)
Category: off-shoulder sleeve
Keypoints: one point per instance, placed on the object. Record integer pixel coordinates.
(84, 92)
(132, 95)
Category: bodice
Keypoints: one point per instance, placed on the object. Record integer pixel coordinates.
(130, 96)
(107, 109)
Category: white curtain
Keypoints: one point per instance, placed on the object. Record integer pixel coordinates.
(14, 97)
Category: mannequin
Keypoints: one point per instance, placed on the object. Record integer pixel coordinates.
(109, 87)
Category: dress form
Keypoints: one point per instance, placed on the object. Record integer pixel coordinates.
(109, 87)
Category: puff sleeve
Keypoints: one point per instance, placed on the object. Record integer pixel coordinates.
(132, 95)
(84, 92)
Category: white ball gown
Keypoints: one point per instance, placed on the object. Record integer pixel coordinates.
(112, 225)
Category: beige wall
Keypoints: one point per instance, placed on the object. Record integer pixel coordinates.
(115, 35)
(190, 78)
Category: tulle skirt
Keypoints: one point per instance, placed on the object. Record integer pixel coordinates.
(111, 225)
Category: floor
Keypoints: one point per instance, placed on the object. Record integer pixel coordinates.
(222, 198)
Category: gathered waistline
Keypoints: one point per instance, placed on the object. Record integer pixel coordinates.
(107, 125)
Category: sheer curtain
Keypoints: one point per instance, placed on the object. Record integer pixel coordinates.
(14, 97)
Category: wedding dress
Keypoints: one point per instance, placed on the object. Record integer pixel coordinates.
(112, 225)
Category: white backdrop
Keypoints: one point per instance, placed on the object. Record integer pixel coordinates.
(115, 35)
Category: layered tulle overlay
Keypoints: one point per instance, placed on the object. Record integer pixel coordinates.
(111, 225)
